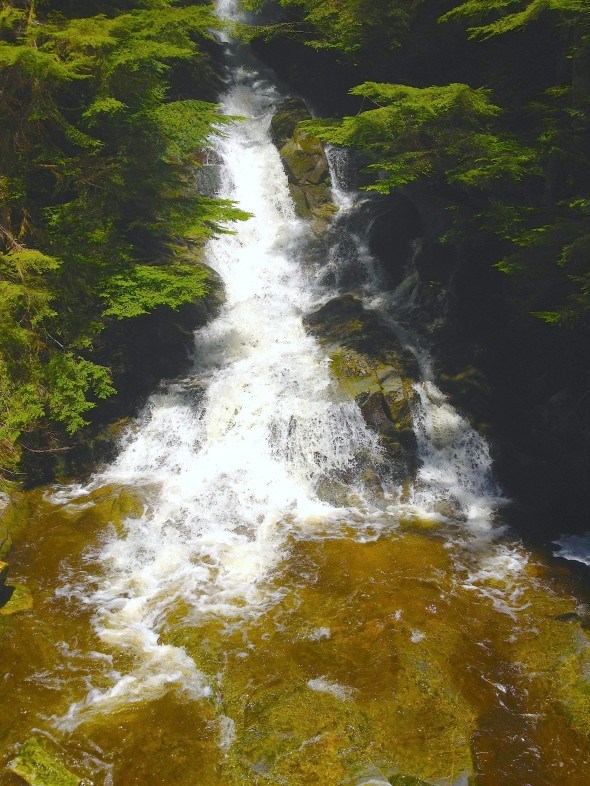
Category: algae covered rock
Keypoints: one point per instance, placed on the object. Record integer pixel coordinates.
(37, 765)
(305, 163)
(370, 363)
(14, 600)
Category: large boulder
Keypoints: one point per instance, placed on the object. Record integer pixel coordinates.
(285, 120)
(370, 363)
(305, 163)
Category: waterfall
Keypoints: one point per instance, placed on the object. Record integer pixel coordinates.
(229, 459)
(253, 590)
(454, 484)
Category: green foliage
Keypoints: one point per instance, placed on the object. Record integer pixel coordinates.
(146, 287)
(550, 251)
(186, 126)
(518, 175)
(67, 381)
(98, 151)
(347, 26)
(511, 15)
(432, 131)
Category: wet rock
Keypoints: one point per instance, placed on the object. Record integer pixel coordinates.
(406, 780)
(582, 619)
(305, 163)
(14, 600)
(285, 120)
(346, 322)
(470, 391)
(37, 765)
(392, 226)
(371, 365)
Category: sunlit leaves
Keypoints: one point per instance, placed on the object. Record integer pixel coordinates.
(510, 15)
(187, 125)
(146, 287)
(98, 194)
(347, 26)
(419, 132)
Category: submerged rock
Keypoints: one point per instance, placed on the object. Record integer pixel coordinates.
(372, 366)
(305, 163)
(385, 776)
(14, 600)
(37, 765)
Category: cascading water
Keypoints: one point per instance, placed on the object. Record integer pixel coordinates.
(454, 483)
(455, 475)
(229, 457)
(253, 608)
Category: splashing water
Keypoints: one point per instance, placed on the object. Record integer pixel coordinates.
(454, 482)
(230, 457)
(228, 614)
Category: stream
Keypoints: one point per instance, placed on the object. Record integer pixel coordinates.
(230, 601)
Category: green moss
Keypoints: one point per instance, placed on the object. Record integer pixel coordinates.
(19, 600)
(13, 518)
(573, 690)
(38, 766)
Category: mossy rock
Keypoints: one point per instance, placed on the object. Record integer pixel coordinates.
(345, 322)
(285, 120)
(302, 206)
(370, 364)
(14, 600)
(37, 765)
(13, 518)
(305, 163)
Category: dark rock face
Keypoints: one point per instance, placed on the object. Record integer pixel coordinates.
(405, 226)
(371, 365)
(392, 226)
(435, 262)
(305, 163)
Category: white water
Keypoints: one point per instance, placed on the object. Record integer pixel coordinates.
(454, 483)
(230, 460)
(574, 547)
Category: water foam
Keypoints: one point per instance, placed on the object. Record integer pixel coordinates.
(574, 547)
(227, 460)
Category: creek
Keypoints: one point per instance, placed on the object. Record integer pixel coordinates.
(231, 601)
